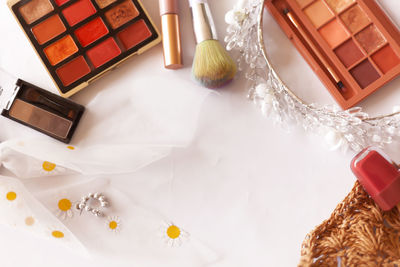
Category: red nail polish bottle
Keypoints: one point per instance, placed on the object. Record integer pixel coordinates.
(379, 176)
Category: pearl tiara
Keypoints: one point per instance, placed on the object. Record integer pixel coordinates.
(352, 128)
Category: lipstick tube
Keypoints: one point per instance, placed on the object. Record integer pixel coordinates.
(171, 34)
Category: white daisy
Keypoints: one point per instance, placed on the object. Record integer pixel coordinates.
(113, 223)
(173, 235)
(64, 208)
(49, 168)
(11, 196)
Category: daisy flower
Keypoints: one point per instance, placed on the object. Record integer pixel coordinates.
(113, 223)
(173, 235)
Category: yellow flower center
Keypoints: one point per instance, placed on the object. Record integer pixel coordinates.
(113, 225)
(48, 166)
(64, 204)
(11, 196)
(29, 221)
(173, 231)
(71, 147)
(57, 234)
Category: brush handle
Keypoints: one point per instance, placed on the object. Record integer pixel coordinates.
(203, 23)
(191, 2)
(34, 97)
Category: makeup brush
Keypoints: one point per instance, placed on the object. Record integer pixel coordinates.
(212, 65)
(334, 76)
(35, 97)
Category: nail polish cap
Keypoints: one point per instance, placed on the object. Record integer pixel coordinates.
(379, 176)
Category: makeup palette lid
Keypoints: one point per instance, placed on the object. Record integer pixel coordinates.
(8, 89)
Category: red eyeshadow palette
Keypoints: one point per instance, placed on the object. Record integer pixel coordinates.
(80, 40)
(351, 45)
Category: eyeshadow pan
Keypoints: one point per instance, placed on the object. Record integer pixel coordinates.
(104, 3)
(355, 18)
(386, 59)
(48, 29)
(60, 50)
(339, 5)
(78, 11)
(333, 33)
(349, 53)
(134, 34)
(40, 118)
(103, 52)
(61, 2)
(35, 9)
(303, 3)
(364, 73)
(318, 13)
(370, 38)
(91, 31)
(73, 70)
(121, 14)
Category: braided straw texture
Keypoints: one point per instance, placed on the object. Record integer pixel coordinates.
(358, 233)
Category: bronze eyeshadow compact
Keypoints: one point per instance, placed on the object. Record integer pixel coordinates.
(38, 109)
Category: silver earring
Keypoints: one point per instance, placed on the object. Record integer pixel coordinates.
(83, 204)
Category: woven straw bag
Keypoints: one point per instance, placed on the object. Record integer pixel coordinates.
(358, 233)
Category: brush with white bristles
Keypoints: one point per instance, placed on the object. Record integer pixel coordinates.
(212, 65)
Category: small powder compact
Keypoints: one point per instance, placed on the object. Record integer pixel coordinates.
(80, 40)
(39, 109)
(352, 45)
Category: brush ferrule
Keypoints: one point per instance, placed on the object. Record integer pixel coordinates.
(203, 23)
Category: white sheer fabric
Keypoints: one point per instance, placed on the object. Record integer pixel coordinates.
(47, 178)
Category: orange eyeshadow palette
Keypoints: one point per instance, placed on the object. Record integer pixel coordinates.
(352, 45)
(80, 40)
